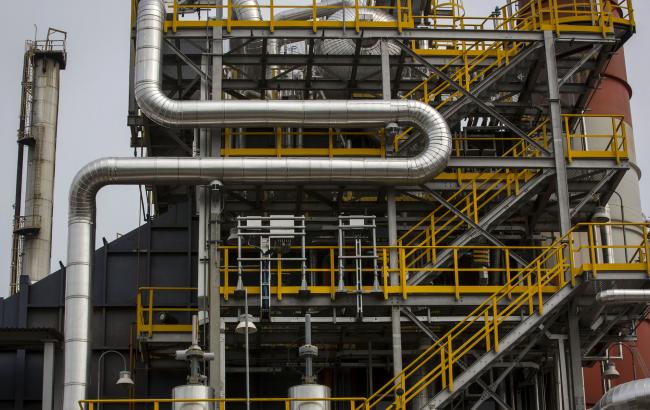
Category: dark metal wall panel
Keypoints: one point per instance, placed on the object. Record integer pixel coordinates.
(160, 253)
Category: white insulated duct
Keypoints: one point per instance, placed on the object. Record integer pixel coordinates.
(194, 171)
(623, 296)
(634, 395)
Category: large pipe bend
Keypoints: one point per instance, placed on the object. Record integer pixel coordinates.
(193, 171)
(329, 113)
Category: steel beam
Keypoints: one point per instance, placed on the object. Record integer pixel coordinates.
(592, 192)
(392, 34)
(492, 78)
(474, 99)
(495, 241)
(487, 390)
(187, 60)
(559, 153)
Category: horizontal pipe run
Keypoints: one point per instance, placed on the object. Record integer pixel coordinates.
(623, 296)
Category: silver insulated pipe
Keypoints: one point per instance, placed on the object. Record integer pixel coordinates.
(199, 171)
(623, 296)
(627, 396)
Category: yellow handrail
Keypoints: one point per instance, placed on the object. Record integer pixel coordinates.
(273, 402)
(470, 333)
(457, 278)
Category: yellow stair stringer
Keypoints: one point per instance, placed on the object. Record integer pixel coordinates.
(471, 198)
(480, 329)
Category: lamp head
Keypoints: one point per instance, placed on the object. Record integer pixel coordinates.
(610, 372)
(125, 378)
(241, 326)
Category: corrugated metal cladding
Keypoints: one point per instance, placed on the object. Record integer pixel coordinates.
(160, 253)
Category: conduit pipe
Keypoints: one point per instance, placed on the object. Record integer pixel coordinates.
(627, 396)
(199, 171)
(623, 296)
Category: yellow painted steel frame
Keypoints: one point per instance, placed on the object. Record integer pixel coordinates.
(402, 9)
(283, 403)
(482, 329)
(543, 276)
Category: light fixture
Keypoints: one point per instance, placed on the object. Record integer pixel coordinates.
(232, 236)
(610, 372)
(601, 215)
(125, 378)
(241, 326)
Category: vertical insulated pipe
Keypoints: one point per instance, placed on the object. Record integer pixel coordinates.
(200, 171)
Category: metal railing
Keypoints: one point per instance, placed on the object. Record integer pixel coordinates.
(479, 190)
(148, 311)
(598, 16)
(330, 137)
(402, 11)
(585, 144)
(579, 252)
(484, 328)
(345, 403)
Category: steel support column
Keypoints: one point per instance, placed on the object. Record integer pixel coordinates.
(562, 193)
(575, 363)
(559, 153)
(217, 329)
(391, 215)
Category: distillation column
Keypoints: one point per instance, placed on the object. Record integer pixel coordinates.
(41, 155)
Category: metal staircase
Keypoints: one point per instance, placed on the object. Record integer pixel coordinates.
(563, 266)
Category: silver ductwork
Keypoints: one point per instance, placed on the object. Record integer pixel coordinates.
(198, 171)
(627, 396)
(343, 46)
(324, 8)
(623, 296)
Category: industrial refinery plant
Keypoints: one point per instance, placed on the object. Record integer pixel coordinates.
(348, 205)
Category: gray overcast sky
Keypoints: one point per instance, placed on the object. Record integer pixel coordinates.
(93, 107)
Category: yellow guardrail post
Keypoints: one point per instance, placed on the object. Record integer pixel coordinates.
(567, 132)
(226, 273)
(434, 256)
(229, 14)
(156, 405)
(508, 284)
(540, 299)
(138, 313)
(615, 141)
(486, 319)
(475, 197)
(333, 276)
(402, 273)
(279, 287)
(174, 15)
(443, 373)
(150, 312)
(398, 14)
(356, 15)
(592, 250)
(271, 18)
(571, 261)
(384, 259)
(456, 284)
(450, 366)
(495, 323)
(646, 247)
